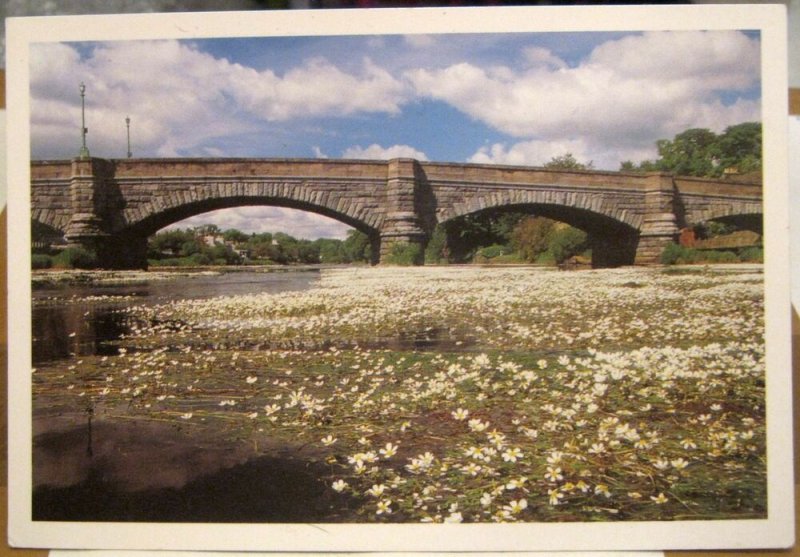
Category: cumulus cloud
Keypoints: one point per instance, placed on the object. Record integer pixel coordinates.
(539, 56)
(180, 97)
(300, 224)
(376, 152)
(533, 153)
(627, 93)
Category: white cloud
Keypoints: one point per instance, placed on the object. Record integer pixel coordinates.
(376, 152)
(627, 94)
(538, 152)
(179, 97)
(539, 56)
(419, 41)
(533, 153)
(300, 224)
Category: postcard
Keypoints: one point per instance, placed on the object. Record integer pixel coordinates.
(445, 280)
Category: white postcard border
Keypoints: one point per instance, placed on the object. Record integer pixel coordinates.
(776, 531)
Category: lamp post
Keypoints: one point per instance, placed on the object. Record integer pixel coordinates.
(84, 153)
(128, 126)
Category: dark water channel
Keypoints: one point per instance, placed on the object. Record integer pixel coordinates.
(82, 319)
(124, 470)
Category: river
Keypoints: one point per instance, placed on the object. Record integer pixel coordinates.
(308, 405)
(103, 470)
(82, 319)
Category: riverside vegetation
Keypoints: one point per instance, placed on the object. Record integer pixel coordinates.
(456, 394)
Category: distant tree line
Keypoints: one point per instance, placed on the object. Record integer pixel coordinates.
(209, 245)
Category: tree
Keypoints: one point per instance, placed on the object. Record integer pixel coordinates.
(208, 230)
(567, 242)
(331, 251)
(235, 236)
(701, 152)
(691, 153)
(739, 148)
(437, 251)
(531, 236)
(567, 162)
(190, 247)
(644, 166)
(357, 247)
(467, 234)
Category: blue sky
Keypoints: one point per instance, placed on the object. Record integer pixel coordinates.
(513, 98)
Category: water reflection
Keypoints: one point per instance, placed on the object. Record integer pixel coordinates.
(75, 330)
(80, 320)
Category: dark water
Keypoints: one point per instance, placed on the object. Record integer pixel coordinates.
(133, 471)
(79, 320)
(125, 470)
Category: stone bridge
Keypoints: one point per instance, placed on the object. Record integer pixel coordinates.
(112, 206)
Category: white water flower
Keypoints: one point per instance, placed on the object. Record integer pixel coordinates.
(460, 414)
(328, 440)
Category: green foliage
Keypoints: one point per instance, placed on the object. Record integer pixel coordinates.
(567, 242)
(672, 254)
(712, 229)
(467, 234)
(753, 254)
(701, 152)
(75, 258)
(236, 236)
(405, 254)
(691, 153)
(568, 162)
(740, 147)
(675, 254)
(190, 247)
(437, 251)
(357, 247)
(493, 251)
(41, 261)
(531, 236)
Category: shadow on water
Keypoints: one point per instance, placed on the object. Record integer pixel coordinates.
(155, 472)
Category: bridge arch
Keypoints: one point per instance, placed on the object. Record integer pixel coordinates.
(165, 217)
(172, 206)
(574, 202)
(149, 220)
(613, 242)
(749, 216)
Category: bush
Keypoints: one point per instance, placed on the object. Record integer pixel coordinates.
(405, 254)
(75, 258)
(566, 243)
(41, 261)
(672, 254)
(719, 257)
(436, 251)
(753, 254)
(495, 250)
